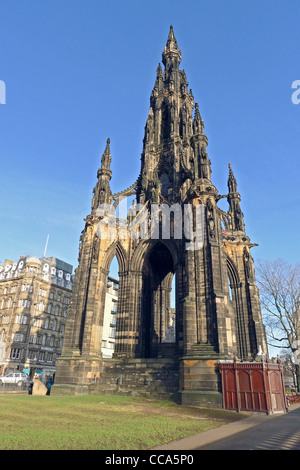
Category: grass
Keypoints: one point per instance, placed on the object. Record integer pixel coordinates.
(99, 422)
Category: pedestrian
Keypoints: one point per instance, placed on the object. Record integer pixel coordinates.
(48, 385)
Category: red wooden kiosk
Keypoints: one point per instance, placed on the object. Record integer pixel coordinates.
(253, 386)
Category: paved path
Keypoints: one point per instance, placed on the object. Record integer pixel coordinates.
(257, 432)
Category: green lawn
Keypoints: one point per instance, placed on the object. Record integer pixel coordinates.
(99, 422)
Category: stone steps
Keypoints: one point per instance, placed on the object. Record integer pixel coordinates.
(203, 351)
(155, 377)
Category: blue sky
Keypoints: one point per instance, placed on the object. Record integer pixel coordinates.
(79, 72)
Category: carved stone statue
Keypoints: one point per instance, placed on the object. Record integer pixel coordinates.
(210, 219)
(248, 265)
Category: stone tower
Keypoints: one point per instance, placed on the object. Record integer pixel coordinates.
(173, 228)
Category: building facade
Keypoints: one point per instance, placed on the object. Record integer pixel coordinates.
(110, 318)
(217, 311)
(35, 295)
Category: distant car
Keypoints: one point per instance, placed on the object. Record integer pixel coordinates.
(14, 378)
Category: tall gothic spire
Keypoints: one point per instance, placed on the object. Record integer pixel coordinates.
(198, 124)
(174, 145)
(102, 191)
(234, 198)
(106, 157)
(232, 184)
(171, 56)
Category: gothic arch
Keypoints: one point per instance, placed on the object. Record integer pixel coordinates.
(144, 249)
(117, 250)
(232, 272)
(155, 313)
(238, 307)
(165, 125)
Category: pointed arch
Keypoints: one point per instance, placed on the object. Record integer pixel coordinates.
(117, 250)
(109, 322)
(156, 314)
(144, 249)
(165, 125)
(235, 286)
(233, 272)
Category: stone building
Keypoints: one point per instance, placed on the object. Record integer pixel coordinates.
(217, 310)
(35, 295)
(110, 318)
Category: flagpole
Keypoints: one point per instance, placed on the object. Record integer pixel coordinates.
(46, 247)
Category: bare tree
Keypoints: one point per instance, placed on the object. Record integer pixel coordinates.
(289, 365)
(279, 287)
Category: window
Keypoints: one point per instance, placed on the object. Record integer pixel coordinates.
(32, 354)
(24, 303)
(54, 325)
(114, 308)
(21, 319)
(49, 357)
(44, 340)
(38, 322)
(230, 289)
(15, 353)
(56, 310)
(46, 324)
(112, 333)
(49, 307)
(41, 356)
(51, 342)
(26, 288)
(33, 339)
(18, 337)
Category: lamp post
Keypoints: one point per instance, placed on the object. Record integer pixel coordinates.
(32, 319)
(2, 350)
(11, 324)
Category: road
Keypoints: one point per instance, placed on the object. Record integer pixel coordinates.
(279, 433)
